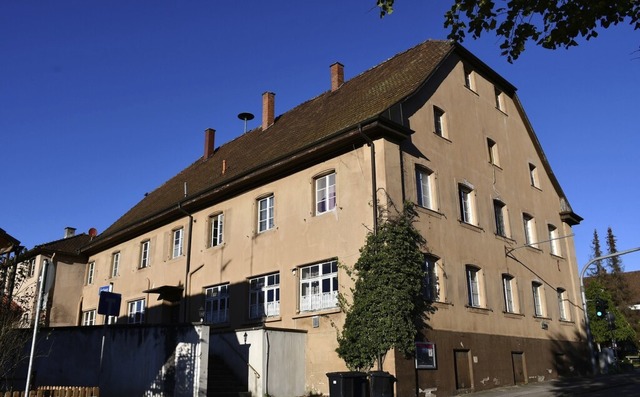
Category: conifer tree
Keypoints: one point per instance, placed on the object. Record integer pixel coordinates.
(597, 252)
(622, 331)
(388, 309)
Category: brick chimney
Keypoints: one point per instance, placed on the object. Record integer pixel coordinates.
(337, 76)
(69, 232)
(268, 109)
(209, 142)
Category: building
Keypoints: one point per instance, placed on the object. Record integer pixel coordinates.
(64, 278)
(248, 238)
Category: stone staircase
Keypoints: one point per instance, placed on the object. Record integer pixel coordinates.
(222, 382)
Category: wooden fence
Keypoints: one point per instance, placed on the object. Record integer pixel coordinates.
(56, 391)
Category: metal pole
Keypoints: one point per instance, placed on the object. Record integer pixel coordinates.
(36, 321)
(584, 301)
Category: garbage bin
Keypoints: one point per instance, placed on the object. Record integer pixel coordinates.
(381, 384)
(348, 384)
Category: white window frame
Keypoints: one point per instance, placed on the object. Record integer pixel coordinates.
(425, 188)
(537, 290)
(319, 286)
(533, 176)
(432, 290)
(467, 204)
(562, 304)
(216, 304)
(264, 296)
(216, 230)
(145, 248)
(468, 78)
(499, 96)
(88, 318)
(31, 267)
(529, 227)
(177, 239)
(492, 149)
(115, 264)
(508, 288)
(91, 270)
(135, 311)
(554, 243)
(474, 296)
(266, 213)
(325, 189)
(440, 122)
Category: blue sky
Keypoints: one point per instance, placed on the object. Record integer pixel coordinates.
(101, 101)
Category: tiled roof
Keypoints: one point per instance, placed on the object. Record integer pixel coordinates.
(361, 98)
(66, 246)
(633, 281)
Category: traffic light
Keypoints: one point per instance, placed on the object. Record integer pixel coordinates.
(601, 308)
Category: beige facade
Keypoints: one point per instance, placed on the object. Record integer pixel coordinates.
(257, 243)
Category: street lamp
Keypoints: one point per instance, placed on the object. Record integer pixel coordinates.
(584, 301)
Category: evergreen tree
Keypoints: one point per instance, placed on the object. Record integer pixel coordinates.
(597, 252)
(388, 309)
(602, 332)
(615, 282)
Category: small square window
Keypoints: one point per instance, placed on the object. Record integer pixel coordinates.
(89, 318)
(492, 149)
(499, 99)
(135, 312)
(533, 176)
(468, 78)
(530, 237)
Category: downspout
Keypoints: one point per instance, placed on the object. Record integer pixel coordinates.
(188, 259)
(374, 188)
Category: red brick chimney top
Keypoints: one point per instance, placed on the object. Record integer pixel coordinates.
(337, 76)
(268, 109)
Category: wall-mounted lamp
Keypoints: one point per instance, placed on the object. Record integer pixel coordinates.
(294, 271)
(545, 325)
(201, 313)
(245, 338)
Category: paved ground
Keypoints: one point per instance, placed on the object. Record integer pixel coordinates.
(619, 385)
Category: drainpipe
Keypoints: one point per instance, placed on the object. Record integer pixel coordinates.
(374, 188)
(188, 259)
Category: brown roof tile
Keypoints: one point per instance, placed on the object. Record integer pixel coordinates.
(361, 98)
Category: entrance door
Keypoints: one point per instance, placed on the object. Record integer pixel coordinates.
(519, 376)
(462, 361)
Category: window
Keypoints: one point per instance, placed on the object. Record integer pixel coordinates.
(508, 287)
(499, 99)
(530, 237)
(431, 283)
(265, 214)
(533, 175)
(466, 204)
(112, 320)
(264, 296)
(115, 264)
(31, 267)
(553, 240)
(538, 303)
(91, 268)
(136, 312)
(500, 212)
(468, 78)
(89, 318)
(319, 286)
(439, 122)
(144, 254)
(492, 149)
(217, 228)
(216, 304)
(325, 193)
(425, 185)
(563, 304)
(177, 243)
(473, 286)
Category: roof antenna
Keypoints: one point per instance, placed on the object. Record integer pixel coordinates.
(245, 116)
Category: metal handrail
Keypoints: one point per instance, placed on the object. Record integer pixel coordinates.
(241, 356)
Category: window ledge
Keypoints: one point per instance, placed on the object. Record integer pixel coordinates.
(471, 90)
(556, 256)
(441, 305)
(496, 166)
(479, 310)
(470, 226)
(429, 211)
(505, 238)
(501, 111)
(513, 315)
(536, 188)
(534, 249)
(442, 137)
(567, 323)
(317, 313)
(541, 318)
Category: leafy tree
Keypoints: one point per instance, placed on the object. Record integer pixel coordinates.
(600, 329)
(549, 23)
(388, 309)
(597, 252)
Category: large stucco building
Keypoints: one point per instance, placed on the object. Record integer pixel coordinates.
(249, 236)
